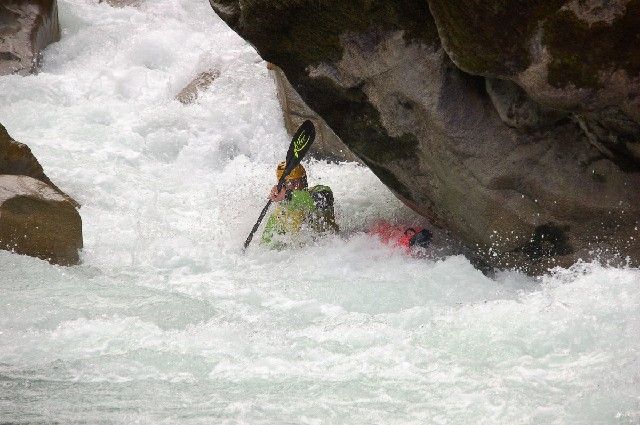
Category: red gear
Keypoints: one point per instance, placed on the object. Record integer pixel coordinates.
(394, 235)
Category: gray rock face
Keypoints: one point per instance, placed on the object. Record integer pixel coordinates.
(517, 110)
(327, 145)
(26, 28)
(38, 221)
(517, 177)
(578, 56)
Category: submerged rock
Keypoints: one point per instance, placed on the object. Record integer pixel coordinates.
(37, 220)
(528, 174)
(202, 82)
(327, 145)
(122, 3)
(26, 28)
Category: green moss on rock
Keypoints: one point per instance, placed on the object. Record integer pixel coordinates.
(580, 51)
(495, 39)
(490, 38)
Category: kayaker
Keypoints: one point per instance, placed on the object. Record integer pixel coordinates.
(298, 207)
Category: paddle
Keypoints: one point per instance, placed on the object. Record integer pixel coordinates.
(300, 144)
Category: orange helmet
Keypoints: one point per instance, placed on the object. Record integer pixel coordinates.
(297, 173)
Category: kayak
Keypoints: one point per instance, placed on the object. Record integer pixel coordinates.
(405, 237)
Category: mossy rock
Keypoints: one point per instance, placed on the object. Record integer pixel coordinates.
(497, 38)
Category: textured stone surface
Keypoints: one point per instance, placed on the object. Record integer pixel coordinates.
(517, 110)
(16, 159)
(38, 221)
(579, 56)
(202, 82)
(122, 3)
(26, 28)
(327, 145)
(522, 190)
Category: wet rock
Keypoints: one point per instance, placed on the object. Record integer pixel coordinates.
(38, 221)
(580, 56)
(518, 110)
(202, 82)
(327, 145)
(526, 190)
(16, 159)
(36, 217)
(26, 28)
(122, 3)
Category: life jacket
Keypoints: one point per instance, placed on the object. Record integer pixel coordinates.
(312, 207)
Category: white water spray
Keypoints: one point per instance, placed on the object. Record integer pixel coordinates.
(167, 322)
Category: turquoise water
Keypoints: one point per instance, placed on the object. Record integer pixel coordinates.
(166, 321)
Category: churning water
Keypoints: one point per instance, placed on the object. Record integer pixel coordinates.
(166, 321)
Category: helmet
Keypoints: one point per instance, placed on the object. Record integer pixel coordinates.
(297, 173)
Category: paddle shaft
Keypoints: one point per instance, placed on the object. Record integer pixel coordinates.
(262, 214)
(255, 226)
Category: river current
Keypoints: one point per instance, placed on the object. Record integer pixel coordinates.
(167, 321)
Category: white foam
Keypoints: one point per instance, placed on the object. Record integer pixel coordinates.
(167, 321)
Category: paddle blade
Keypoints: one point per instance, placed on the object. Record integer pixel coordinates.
(300, 144)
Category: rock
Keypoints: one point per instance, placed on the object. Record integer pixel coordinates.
(202, 82)
(523, 190)
(26, 28)
(37, 220)
(542, 47)
(327, 145)
(16, 159)
(122, 3)
(518, 110)
(36, 217)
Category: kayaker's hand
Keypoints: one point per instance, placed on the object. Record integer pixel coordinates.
(276, 196)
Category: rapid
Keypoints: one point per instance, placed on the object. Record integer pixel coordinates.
(167, 321)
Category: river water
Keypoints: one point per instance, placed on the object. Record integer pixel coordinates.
(166, 321)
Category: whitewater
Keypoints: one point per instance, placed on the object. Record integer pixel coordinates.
(167, 321)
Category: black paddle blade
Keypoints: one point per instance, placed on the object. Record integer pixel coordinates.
(300, 144)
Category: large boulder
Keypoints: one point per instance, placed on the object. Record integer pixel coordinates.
(37, 220)
(26, 28)
(36, 217)
(523, 180)
(16, 159)
(327, 145)
(581, 56)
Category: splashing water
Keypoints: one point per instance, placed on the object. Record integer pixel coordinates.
(166, 321)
